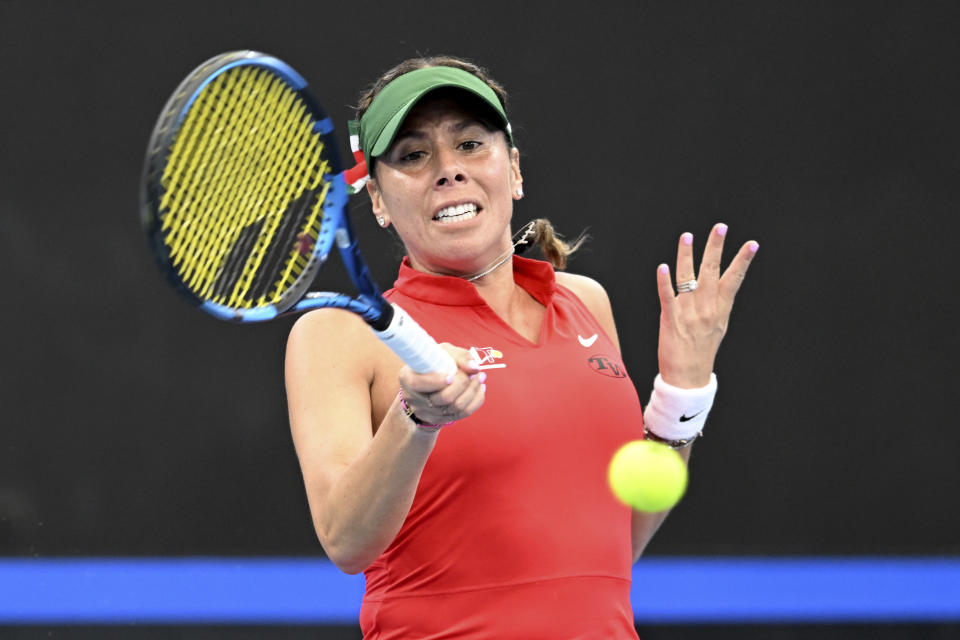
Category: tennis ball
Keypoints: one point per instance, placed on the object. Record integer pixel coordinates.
(647, 475)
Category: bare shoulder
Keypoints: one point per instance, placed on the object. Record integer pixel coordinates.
(323, 323)
(590, 292)
(594, 297)
(333, 360)
(327, 329)
(330, 342)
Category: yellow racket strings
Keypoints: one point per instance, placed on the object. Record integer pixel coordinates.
(245, 154)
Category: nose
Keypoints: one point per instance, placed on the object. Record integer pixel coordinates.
(449, 170)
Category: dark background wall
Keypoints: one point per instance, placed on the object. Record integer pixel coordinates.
(133, 424)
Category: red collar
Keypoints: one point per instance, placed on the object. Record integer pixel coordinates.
(534, 276)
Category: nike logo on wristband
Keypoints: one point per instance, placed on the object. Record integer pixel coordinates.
(684, 417)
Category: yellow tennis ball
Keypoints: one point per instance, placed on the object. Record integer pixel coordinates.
(647, 475)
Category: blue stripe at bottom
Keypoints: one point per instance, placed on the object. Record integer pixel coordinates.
(813, 590)
(312, 591)
(187, 591)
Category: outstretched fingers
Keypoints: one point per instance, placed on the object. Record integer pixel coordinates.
(694, 320)
(734, 275)
(712, 254)
(665, 290)
(685, 269)
(709, 282)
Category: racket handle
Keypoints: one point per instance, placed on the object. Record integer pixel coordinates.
(414, 345)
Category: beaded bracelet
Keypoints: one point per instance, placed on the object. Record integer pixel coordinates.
(423, 426)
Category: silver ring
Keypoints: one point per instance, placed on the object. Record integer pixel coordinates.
(687, 286)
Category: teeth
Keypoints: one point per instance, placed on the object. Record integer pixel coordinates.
(457, 213)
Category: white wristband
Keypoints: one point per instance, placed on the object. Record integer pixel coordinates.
(678, 414)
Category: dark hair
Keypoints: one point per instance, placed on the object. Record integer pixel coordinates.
(551, 244)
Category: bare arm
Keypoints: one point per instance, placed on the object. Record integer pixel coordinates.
(360, 482)
(692, 325)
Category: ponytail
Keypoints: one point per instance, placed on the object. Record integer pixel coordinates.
(551, 244)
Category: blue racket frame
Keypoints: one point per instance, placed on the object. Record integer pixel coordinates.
(335, 228)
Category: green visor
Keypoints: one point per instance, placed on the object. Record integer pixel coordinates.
(386, 113)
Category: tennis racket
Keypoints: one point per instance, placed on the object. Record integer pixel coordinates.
(243, 197)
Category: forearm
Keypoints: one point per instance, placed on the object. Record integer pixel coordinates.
(644, 524)
(368, 502)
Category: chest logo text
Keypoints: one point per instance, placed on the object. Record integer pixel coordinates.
(607, 366)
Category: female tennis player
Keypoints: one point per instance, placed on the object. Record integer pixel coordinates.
(476, 501)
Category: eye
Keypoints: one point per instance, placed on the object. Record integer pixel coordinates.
(470, 145)
(412, 156)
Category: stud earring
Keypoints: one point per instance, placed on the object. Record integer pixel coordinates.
(381, 221)
(519, 191)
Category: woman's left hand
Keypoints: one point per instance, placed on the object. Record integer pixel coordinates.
(693, 323)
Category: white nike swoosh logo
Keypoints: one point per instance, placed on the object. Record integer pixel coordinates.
(587, 342)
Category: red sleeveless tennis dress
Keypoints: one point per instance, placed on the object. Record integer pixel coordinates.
(513, 532)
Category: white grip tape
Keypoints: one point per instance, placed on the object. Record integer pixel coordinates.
(415, 346)
(678, 414)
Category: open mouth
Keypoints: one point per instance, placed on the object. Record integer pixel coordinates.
(457, 213)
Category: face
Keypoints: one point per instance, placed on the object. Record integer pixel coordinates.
(447, 185)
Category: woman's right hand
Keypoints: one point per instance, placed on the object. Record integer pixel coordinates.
(439, 399)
